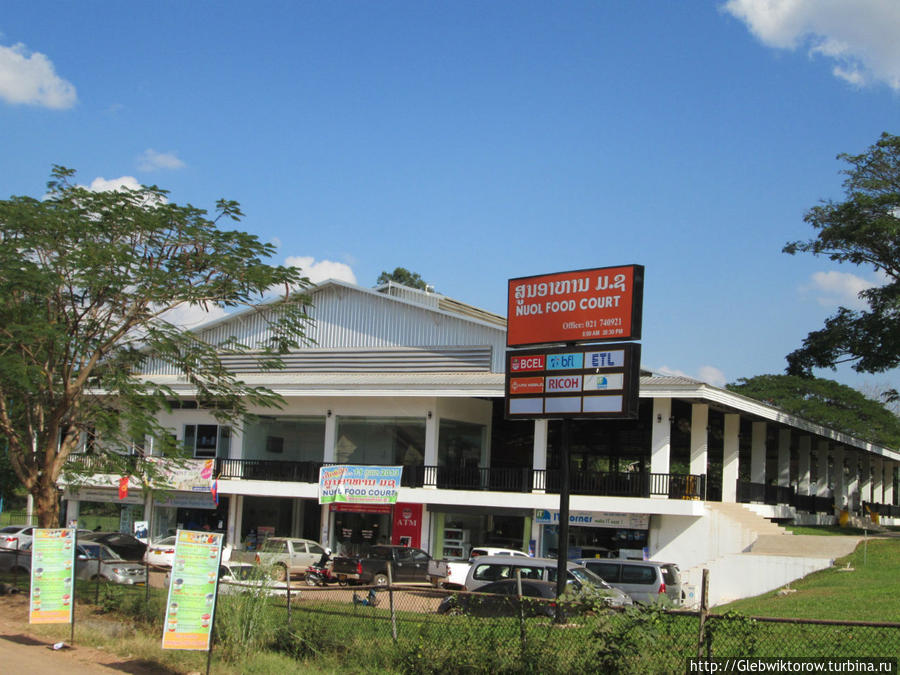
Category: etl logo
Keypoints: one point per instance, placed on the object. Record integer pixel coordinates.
(611, 359)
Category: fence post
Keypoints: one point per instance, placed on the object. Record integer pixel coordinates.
(288, 591)
(391, 599)
(704, 611)
(522, 636)
(97, 587)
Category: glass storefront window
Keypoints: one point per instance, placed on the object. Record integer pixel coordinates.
(296, 439)
(460, 444)
(391, 441)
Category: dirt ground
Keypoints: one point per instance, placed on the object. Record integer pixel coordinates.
(23, 651)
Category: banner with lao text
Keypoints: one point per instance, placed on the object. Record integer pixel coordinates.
(192, 590)
(52, 576)
(353, 484)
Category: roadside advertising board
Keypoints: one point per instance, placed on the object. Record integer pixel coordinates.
(591, 305)
(192, 590)
(52, 576)
(359, 484)
(585, 381)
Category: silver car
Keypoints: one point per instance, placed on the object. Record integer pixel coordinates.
(92, 560)
(646, 581)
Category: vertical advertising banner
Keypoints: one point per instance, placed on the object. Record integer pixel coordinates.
(52, 576)
(192, 590)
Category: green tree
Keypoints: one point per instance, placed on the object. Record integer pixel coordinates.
(863, 229)
(86, 280)
(401, 275)
(825, 402)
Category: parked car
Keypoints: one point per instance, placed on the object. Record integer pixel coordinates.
(15, 536)
(490, 568)
(127, 546)
(408, 565)
(161, 553)
(539, 599)
(645, 581)
(92, 560)
(286, 556)
(237, 577)
(457, 571)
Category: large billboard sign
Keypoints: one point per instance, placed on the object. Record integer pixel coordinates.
(591, 305)
(587, 381)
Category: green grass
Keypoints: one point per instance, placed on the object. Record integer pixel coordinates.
(828, 530)
(870, 592)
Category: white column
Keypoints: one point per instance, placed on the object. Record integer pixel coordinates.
(432, 425)
(852, 481)
(889, 482)
(73, 508)
(822, 468)
(661, 435)
(730, 457)
(539, 456)
(758, 453)
(803, 465)
(840, 482)
(784, 457)
(699, 438)
(878, 480)
(233, 527)
(865, 483)
(330, 453)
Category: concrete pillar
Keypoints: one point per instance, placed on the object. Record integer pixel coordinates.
(699, 438)
(73, 508)
(730, 457)
(877, 480)
(661, 436)
(853, 500)
(889, 481)
(539, 456)
(758, 453)
(784, 457)
(660, 439)
(432, 426)
(865, 481)
(330, 453)
(803, 466)
(822, 482)
(839, 479)
(233, 527)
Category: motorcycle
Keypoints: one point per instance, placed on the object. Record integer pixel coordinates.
(320, 575)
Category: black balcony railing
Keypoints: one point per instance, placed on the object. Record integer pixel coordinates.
(813, 504)
(883, 510)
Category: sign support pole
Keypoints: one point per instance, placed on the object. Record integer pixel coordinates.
(562, 548)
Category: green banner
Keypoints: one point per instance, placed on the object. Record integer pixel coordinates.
(52, 576)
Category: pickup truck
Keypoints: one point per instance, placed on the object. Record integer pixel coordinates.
(408, 565)
(458, 570)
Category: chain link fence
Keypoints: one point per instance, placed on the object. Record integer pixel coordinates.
(405, 629)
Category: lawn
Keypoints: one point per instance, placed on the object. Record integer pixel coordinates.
(867, 590)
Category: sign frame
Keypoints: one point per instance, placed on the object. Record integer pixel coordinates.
(630, 371)
(603, 304)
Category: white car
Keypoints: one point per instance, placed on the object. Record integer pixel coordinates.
(458, 571)
(161, 553)
(15, 536)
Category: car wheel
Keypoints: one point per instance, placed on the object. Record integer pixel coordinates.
(380, 580)
(279, 573)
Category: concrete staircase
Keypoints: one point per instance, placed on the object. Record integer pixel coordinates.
(805, 546)
(752, 525)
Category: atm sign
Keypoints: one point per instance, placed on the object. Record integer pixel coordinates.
(518, 364)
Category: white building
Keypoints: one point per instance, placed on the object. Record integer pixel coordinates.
(398, 376)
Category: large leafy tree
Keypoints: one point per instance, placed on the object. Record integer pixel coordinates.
(863, 229)
(401, 275)
(86, 281)
(825, 402)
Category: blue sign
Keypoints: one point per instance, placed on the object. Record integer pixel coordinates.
(569, 361)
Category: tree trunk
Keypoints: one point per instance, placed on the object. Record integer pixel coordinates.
(46, 501)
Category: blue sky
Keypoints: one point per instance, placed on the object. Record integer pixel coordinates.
(473, 142)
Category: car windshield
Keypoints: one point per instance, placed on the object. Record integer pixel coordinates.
(585, 576)
(94, 551)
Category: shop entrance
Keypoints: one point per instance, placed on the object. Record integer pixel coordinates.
(357, 528)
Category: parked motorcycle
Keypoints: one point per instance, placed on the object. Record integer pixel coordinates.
(320, 575)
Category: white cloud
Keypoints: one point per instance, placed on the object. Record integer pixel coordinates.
(100, 184)
(839, 288)
(709, 374)
(151, 160)
(860, 37)
(32, 80)
(322, 270)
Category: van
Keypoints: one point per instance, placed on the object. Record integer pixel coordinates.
(645, 581)
(490, 568)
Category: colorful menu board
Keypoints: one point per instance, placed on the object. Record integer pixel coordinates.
(192, 590)
(52, 576)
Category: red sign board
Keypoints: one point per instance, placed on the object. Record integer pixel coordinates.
(581, 306)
